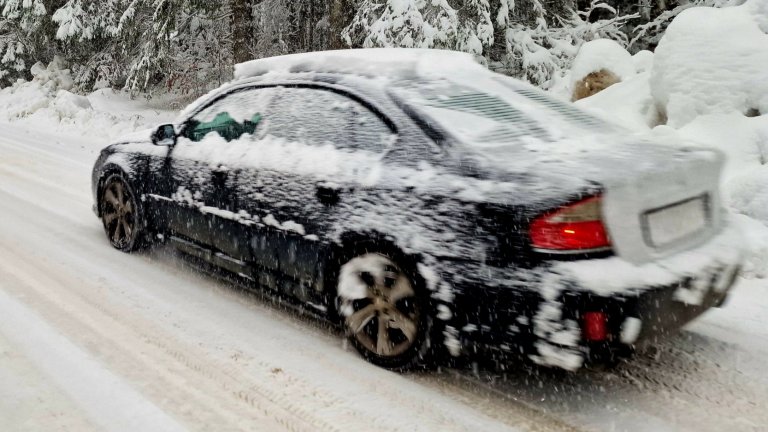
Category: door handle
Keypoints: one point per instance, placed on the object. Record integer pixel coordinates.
(220, 174)
(220, 170)
(328, 193)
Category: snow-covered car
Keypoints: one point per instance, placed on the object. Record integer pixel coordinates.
(431, 207)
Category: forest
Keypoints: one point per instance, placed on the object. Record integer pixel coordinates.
(189, 46)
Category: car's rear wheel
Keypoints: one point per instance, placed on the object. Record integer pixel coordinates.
(121, 215)
(384, 310)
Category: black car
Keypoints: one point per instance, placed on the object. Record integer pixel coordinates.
(432, 207)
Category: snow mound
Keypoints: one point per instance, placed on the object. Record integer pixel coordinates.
(602, 54)
(643, 61)
(748, 193)
(744, 140)
(55, 76)
(67, 104)
(713, 60)
(46, 101)
(710, 69)
(756, 244)
(628, 103)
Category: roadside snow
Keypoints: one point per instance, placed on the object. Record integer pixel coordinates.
(709, 78)
(47, 101)
(712, 61)
(628, 103)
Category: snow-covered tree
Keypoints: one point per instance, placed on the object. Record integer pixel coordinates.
(660, 13)
(188, 46)
(463, 25)
(25, 35)
(525, 38)
(540, 42)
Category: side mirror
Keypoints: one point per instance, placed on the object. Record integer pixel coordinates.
(165, 135)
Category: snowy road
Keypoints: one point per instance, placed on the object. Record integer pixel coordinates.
(92, 339)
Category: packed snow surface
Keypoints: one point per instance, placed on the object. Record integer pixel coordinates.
(175, 349)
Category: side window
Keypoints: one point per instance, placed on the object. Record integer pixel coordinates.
(235, 115)
(369, 132)
(321, 117)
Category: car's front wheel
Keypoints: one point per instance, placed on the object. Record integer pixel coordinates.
(385, 311)
(121, 214)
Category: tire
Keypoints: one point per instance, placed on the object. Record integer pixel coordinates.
(122, 215)
(385, 309)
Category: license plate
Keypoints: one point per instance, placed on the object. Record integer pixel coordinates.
(679, 221)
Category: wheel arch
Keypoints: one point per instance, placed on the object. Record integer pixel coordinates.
(354, 243)
(106, 172)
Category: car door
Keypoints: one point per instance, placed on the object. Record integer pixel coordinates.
(204, 166)
(317, 149)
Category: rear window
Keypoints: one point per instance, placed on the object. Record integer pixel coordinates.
(503, 115)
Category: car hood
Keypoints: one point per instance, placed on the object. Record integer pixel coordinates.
(140, 136)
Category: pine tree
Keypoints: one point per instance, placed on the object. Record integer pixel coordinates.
(340, 15)
(188, 46)
(242, 29)
(463, 25)
(26, 35)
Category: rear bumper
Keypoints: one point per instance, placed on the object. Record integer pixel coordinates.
(541, 313)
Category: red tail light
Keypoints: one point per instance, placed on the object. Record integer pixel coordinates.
(574, 228)
(595, 329)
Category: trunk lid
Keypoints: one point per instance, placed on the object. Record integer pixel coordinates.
(658, 199)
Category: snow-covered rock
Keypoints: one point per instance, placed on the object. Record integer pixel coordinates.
(713, 60)
(602, 54)
(598, 65)
(628, 103)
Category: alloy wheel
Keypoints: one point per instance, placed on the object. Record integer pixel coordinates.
(119, 214)
(378, 301)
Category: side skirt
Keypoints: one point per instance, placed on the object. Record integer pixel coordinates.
(272, 280)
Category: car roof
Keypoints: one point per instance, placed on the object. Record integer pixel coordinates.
(351, 67)
(371, 62)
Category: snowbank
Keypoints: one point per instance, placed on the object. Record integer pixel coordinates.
(743, 139)
(47, 100)
(756, 244)
(628, 103)
(602, 63)
(713, 61)
(710, 77)
(643, 61)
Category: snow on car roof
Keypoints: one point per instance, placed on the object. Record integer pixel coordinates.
(390, 62)
(387, 64)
